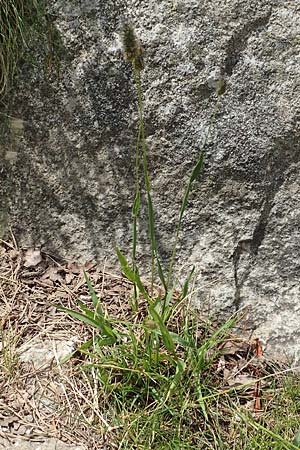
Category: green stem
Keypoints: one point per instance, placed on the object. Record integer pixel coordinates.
(135, 213)
(187, 192)
(146, 175)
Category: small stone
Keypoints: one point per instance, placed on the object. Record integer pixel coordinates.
(42, 353)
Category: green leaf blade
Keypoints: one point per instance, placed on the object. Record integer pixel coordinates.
(95, 299)
(131, 275)
(166, 336)
(83, 318)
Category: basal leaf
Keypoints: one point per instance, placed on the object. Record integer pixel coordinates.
(165, 334)
(131, 275)
(178, 375)
(186, 284)
(96, 301)
(88, 320)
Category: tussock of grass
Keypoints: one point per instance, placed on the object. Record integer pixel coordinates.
(155, 397)
(97, 402)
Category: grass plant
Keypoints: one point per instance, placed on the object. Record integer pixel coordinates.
(20, 21)
(9, 360)
(16, 18)
(157, 372)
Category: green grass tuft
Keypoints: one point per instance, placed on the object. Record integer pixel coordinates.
(16, 19)
(20, 21)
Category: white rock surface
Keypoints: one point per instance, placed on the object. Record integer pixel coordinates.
(42, 352)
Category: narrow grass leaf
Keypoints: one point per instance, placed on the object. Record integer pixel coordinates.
(98, 314)
(186, 284)
(108, 331)
(194, 175)
(86, 310)
(96, 301)
(105, 341)
(88, 320)
(100, 323)
(165, 334)
(197, 168)
(180, 368)
(160, 272)
(136, 205)
(131, 275)
(104, 323)
(181, 341)
(223, 330)
(201, 401)
(166, 310)
(220, 333)
(296, 440)
(286, 445)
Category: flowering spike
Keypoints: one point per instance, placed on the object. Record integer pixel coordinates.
(132, 49)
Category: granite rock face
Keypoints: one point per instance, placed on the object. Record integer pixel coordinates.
(67, 176)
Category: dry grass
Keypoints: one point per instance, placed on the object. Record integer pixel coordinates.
(58, 400)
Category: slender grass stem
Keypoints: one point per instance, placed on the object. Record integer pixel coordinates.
(146, 175)
(135, 213)
(192, 178)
